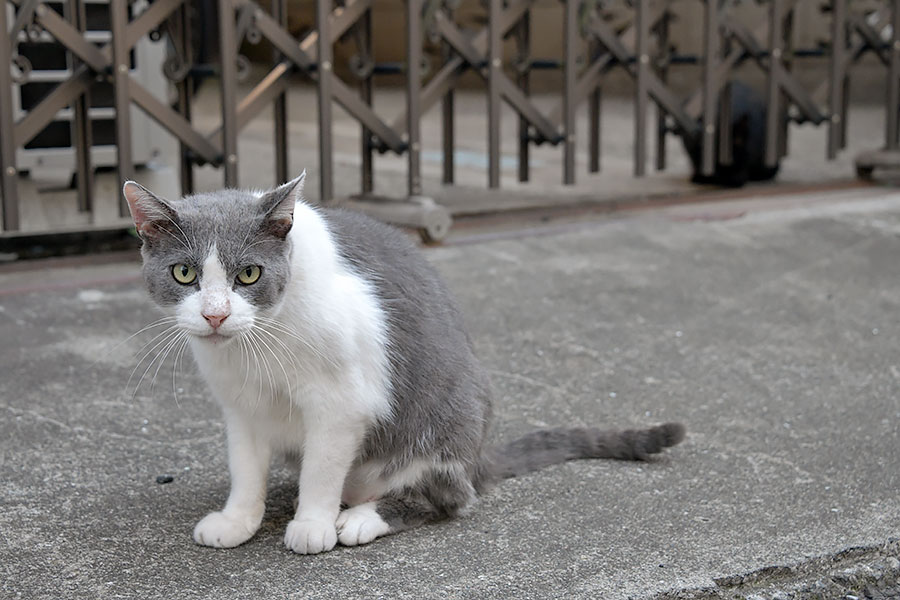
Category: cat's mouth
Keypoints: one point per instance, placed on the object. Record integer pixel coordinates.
(216, 338)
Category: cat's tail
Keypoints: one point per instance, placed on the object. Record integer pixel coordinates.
(547, 447)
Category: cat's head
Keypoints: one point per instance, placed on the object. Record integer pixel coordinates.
(217, 261)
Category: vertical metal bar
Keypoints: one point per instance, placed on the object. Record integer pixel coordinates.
(81, 123)
(279, 108)
(413, 96)
(570, 78)
(773, 96)
(893, 92)
(495, 65)
(642, 30)
(836, 75)
(228, 58)
(663, 72)
(845, 103)
(523, 47)
(325, 64)
(710, 86)
(185, 92)
(365, 90)
(118, 14)
(787, 36)
(447, 108)
(724, 154)
(594, 103)
(8, 173)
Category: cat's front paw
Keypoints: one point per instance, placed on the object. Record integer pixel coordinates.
(360, 525)
(310, 537)
(224, 531)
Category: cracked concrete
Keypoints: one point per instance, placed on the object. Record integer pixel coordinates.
(772, 335)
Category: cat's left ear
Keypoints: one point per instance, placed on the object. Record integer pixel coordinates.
(278, 206)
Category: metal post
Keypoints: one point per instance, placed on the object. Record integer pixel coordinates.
(724, 155)
(642, 28)
(594, 104)
(325, 65)
(81, 124)
(185, 89)
(279, 108)
(663, 72)
(570, 77)
(447, 127)
(837, 75)
(773, 104)
(413, 86)
(892, 137)
(523, 47)
(845, 103)
(8, 172)
(447, 108)
(710, 86)
(787, 38)
(228, 58)
(495, 65)
(365, 91)
(118, 12)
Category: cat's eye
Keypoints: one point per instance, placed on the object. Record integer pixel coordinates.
(184, 274)
(249, 274)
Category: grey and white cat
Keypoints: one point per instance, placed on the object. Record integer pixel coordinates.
(325, 334)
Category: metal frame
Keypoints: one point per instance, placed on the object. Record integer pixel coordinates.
(887, 158)
(638, 43)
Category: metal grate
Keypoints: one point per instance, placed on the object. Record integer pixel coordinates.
(47, 64)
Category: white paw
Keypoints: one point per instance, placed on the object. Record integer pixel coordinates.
(310, 537)
(360, 525)
(224, 531)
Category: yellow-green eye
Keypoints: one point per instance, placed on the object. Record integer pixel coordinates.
(184, 274)
(249, 274)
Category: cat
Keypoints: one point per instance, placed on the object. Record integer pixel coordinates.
(325, 334)
(748, 144)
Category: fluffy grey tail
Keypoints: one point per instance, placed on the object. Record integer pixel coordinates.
(547, 447)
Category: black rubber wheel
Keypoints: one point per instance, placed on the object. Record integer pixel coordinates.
(864, 171)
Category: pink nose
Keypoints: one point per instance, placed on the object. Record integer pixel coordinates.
(215, 320)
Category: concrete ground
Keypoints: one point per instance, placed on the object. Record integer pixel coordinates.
(768, 326)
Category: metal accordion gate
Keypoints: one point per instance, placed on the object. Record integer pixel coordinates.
(102, 77)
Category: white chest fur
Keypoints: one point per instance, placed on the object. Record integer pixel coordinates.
(320, 351)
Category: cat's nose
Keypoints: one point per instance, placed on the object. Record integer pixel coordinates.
(216, 319)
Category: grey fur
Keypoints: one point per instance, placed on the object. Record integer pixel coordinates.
(441, 399)
(240, 225)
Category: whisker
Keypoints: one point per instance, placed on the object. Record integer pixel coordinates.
(282, 328)
(245, 356)
(157, 323)
(174, 342)
(255, 353)
(287, 379)
(183, 242)
(164, 335)
(178, 355)
(270, 370)
(269, 375)
(167, 341)
(289, 353)
(166, 331)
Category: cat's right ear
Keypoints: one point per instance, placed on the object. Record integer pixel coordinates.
(149, 212)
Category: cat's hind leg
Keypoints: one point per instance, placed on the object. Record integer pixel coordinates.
(441, 493)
